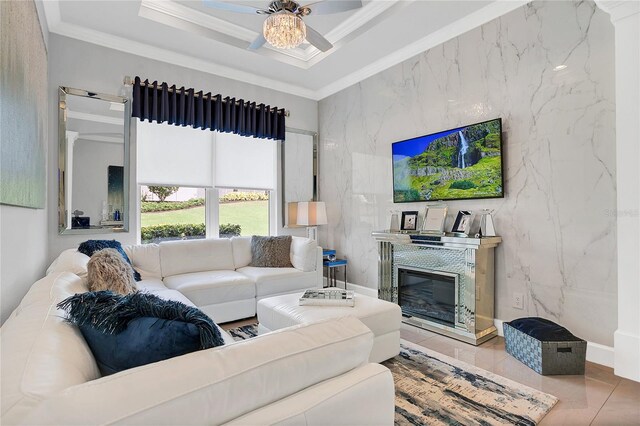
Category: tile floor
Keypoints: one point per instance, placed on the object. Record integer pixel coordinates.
(597, 398)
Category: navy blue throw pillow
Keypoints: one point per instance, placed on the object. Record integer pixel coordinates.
(91, 246)
(138, 329)
(145, 340)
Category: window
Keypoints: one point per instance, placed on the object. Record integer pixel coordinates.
(198, 184)
(243, 212)
(172, 213)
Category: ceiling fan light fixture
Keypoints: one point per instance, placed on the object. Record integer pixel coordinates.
(284, 30)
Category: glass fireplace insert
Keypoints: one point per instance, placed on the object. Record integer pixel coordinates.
(428, 294)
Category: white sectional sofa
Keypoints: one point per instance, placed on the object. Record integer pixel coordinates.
(214, 274)
(311, 374)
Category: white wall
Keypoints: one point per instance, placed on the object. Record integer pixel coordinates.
(23, 253)
(558, 215)
(81, 65)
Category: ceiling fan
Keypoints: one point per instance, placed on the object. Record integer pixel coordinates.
(284, 27)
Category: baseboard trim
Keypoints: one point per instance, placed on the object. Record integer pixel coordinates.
(359, 289)
(627, 355)
(367, 291)
(596, 353)
(600, 354)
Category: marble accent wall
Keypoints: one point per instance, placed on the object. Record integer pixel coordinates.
(558, 216)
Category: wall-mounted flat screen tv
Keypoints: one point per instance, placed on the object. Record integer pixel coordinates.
(458, 164)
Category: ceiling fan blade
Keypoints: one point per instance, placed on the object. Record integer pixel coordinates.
(316, 39)
(231, 7)
(257, 43)
(325, 7)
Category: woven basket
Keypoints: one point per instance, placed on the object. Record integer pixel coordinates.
(546, 358)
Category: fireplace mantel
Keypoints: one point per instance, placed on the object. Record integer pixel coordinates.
(470, 259)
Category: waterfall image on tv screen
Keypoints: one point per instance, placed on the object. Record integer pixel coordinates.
(456, 164)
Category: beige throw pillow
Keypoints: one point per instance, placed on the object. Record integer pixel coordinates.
(107, 270)
(271, 252)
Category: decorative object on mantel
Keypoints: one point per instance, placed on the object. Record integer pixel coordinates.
(434, 218)
(450, 384)
(310, 214)
(409, 221)
(186, 107)
(284, 27)
(394, 226)
(486, 224)
(463, 222)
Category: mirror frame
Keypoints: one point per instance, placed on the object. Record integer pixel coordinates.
(316, 165)
(63, 226)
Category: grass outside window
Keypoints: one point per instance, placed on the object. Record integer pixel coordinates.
(252, 216)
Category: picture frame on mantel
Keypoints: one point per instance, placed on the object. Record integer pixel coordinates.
(462, 225)
(409, 221)
(434, 218)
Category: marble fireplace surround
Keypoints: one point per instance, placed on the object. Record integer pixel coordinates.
(558, 219)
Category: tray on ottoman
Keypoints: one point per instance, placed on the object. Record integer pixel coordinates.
(544, 346)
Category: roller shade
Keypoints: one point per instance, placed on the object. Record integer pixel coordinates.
(174, 155)
(242, 162)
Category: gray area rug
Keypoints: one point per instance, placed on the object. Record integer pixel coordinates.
(434, 389)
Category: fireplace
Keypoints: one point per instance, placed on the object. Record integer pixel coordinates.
(442, 283)
(428, 294)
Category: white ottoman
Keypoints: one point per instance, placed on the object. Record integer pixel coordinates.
(382, 317)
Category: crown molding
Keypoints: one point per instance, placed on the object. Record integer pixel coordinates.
(461, 26)
(619, 9)
(180, 11)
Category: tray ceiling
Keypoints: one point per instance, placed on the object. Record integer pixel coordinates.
(366, 40)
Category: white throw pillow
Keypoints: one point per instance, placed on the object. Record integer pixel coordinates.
(303, 253)
(145, 258)
(241, 251)
(70, 260)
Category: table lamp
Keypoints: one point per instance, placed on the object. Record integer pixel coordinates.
(311, 214)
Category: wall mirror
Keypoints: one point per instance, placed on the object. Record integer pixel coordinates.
(299, 159)
(93, 162)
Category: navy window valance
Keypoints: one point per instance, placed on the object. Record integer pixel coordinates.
(185, 107)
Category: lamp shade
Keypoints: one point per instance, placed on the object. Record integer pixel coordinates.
(292, 216)
(311, 213)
